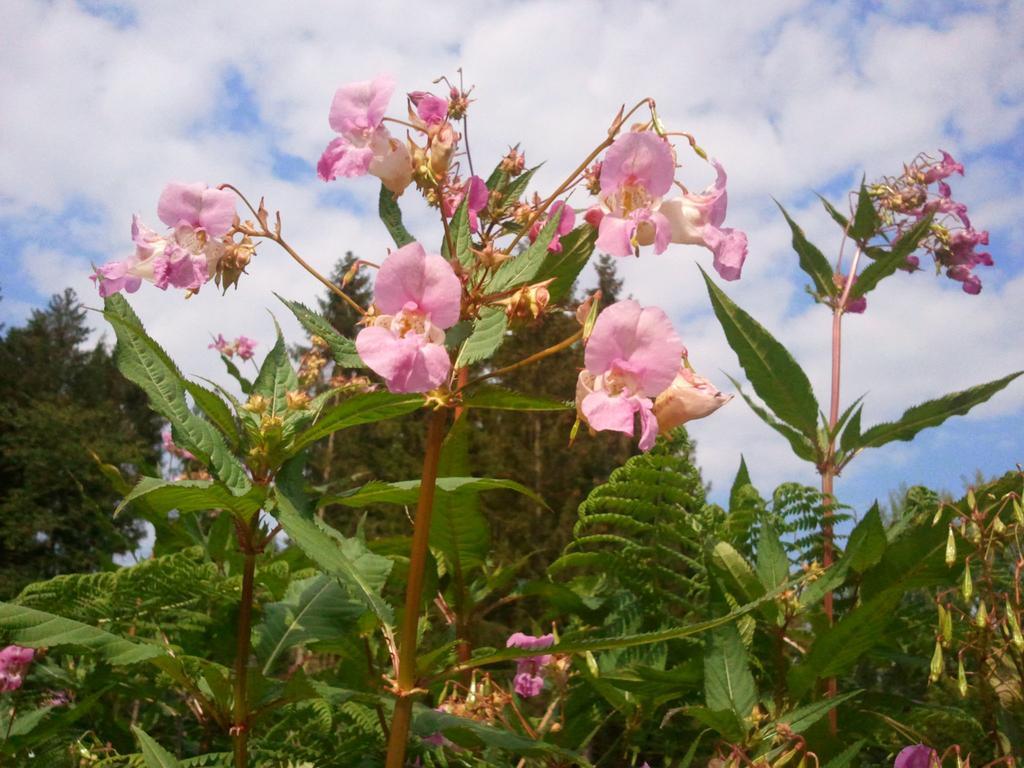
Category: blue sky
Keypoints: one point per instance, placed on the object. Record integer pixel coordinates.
(103, 103)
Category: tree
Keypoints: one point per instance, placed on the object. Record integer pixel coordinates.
(62, 405)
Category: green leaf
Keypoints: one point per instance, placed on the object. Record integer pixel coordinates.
(845, 758)
(566, 265)
(527, 266)
(888, 262)
(314, 611)
(800, 444)
(36, 629)
(359, 409)
(348, 560)
(851, 435)
(802, 718)
(728, 682)
(507, 400)
(812, 261)
(406, 492)
(931, 413)
(144, 363)
(839, 218)
(276, 377)
(243, 383)
(723, 721)
(867, 541)
(460, 233)
(866, 221)
(343, 349)
(391, 215)
(153, 754)
(216, 410)
(776, 377)
(458, 527)
(192, 496)
(739, 576)
(487, 335)
(742, 479)
(772, 563)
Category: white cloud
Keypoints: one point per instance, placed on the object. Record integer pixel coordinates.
(789, 95)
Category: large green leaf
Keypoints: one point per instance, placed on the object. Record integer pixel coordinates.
(888, 262)
(458, 528)
(772, 563)
(460, 234)
(865, 548)
(776, 377)
(812, 260)
(566, 265)
(728, 681)
(507, 400)
(343, 349)
(407, 491)
(348, 560)
(802, 718)
(866, 220)
(391, 215)
(153, 754)
(931, 414)
(143, 362)
(314, 611)
(487, 335)
(276, 377)
(36, 629)
(359, 409)
(526, 267)
(802, 446)
(216, 410)
(192, 496)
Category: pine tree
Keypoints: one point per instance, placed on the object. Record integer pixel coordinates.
(60, 403)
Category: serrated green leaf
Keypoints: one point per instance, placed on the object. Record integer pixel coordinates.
(343, 349)
(566, 265)
(407, 491)
(461, 236)
(931, 413)
(801, 446)
(722, 721)
(243, 383)
(507, 400)
(192, 496)
(458, 528)
(776, 377)
(772, 563)
(153, 754)
(487, 335)
(850, 437)
(802, 718)
(391, 215)
(742, 479)
(527, 266)
(728, 681)
(866, 220)
(37, 629)
(839, 218)
(276, 377)
(845, 758)
(216, 410)
(888, 262)
(867, 541)
(359, 409)
(348, 560)
(144, 363)
(812, 261)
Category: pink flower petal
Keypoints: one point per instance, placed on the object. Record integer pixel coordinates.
(609, 412)
(615, 235)
(641, 337)
(638, 159)
(730, 249)
(198, 206)
(407, 364)
(359, 107)
(410, 275)
(342, 158)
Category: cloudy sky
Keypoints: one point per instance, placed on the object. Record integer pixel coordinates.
(102, 103)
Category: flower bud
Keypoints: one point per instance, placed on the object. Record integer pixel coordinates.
(297, 400)
(950, 548)
(973, 533)
(971, 502)
(689, 397)
(256, 404)
(1015, 634)
(947, 627)
(967, 588)
(1018, 512)
(981, 619)
(961, 677)
(513, 162)
(529, 302)
(937, 664)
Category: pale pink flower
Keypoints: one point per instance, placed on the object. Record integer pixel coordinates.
(365, 146)
(197, 208)
(222, 345)
(632, 355)
(567, 220)
(418, 296)
(245, 347)
(689, 397)
(917, 756)
(431, 109)
(14, 662)
(696, 219)
(637, 170)
(529, 679)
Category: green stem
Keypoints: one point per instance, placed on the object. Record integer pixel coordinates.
(240, 725)
(406, 683)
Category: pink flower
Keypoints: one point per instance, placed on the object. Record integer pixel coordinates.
(947, 167)
(696, 219)
(917, 756)
(14, 662)
(245, 347)
(476, 194)
(431, 109)
(689, 397)
(637, 170)
(632, 356)
(529, 679)
(197, 208)
(565, 225)
(222, 345)
(418, 296)
(365, 146)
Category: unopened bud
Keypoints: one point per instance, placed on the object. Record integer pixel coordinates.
(967, 588)
(973, 533)
(1018, 511)
(513, 162)
(981, 619)
(1015, 635)
(961, 677)
(947, 627)
(269, 424)
(297, 400)
(256, 404)
(592, 178)
(950, 548)
(936, 667)
(971, 503)
(529, 302)
(998, 526)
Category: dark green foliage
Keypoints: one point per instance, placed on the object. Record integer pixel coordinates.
(60, 403)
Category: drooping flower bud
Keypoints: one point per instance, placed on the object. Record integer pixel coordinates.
(961, 677)
(1015, 634)
(937, 665)
(967, 587)
(689, 397)
(950, 548)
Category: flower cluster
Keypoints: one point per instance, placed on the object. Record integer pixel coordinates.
(243, 346)
(631, 183)
(188, 255)
(633, 355)
(14, 662)
(953, 242)
(529, 679)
